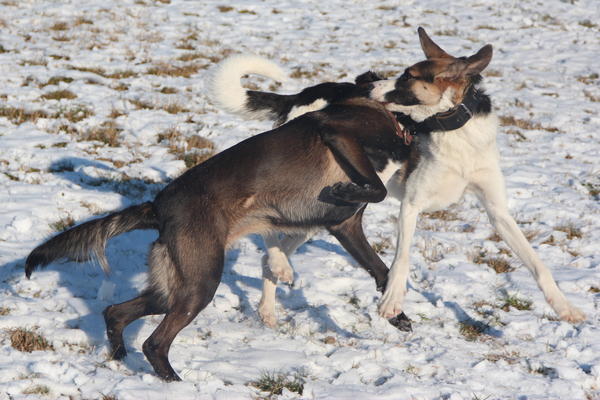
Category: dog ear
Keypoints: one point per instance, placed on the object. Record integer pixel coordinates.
(367, 77)
(479, 61)
(466, 67)
(430, 49)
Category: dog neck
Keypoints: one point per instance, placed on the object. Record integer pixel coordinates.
(473, 102)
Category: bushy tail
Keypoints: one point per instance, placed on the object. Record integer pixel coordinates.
(81, 242)
(227, 92)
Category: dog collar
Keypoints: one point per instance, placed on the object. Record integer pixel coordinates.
(449, 120)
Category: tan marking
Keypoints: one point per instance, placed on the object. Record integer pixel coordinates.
(249, 201)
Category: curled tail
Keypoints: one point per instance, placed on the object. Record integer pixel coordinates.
(226, 90)
(81, 242)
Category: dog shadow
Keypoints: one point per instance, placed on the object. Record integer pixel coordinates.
(460, 314)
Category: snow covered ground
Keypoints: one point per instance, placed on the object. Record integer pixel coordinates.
(99, 102)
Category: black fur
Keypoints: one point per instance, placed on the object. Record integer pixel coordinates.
(89, 238)
(278, 106)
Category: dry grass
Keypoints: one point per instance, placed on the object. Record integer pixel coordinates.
(444, 215)
(510, 357)
(472, 330)
(171, 107)
(525, 124)
(74, 113)
(274, 383)
(571, 230)
(190, 56)
(107, 133)
(174, 108)
(381, 245)
(168, 90)
(19, 115)
(40, 390)
(61, 38)
(192, 150)
(511, 301)
(59, 95)
(199, 142)
(63, 224)
(27, 341)
(166, 69)
(55, 80)
(60, 26)
(498, 264)
(4, 310)
(591, 97)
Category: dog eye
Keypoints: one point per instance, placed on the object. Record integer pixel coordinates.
(406, 76)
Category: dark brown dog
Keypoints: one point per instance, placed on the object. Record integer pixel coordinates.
(315, 171)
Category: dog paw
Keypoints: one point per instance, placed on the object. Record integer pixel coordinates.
(349, 191)
(391, 303)
(280, 268)
(268, 318)
(572, 315)
(401, 322)
(285, 274)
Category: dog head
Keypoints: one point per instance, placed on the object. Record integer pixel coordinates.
(433, 85)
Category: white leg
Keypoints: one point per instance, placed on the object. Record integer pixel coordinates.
(393, 297)
(275, 265)
(491, 192)
(266, 307)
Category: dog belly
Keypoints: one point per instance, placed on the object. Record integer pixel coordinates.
(311, 214)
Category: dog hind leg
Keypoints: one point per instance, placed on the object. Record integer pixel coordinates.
(197, 257)
(273, 262)
(491, 192)
(118, 316)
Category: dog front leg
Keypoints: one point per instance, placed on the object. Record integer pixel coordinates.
(492, 194)
(365, 185)
(393, 297)
(351, 236)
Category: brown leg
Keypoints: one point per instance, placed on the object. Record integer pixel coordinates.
(366, 187)
(199, 260)
(118, 316)
(351, 236)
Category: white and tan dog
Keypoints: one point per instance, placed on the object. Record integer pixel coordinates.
(454, 150)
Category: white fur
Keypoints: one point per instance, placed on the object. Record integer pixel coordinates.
(450, 163)
(295, 112)
(418, 113)
(225, 88)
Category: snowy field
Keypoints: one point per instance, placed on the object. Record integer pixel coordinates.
(103, 102)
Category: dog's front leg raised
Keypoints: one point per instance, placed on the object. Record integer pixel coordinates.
(276, 266)
(492, 194)
(365, 185)
(393, 297)
(351, 236)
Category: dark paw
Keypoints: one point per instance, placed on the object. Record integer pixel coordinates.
(118, 353)
(348, 191)
(367, 77)
(170, 377)
(401, 322)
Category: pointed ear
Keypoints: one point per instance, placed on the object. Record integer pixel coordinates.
(464, 68)
(430, 49)
(479, 61)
